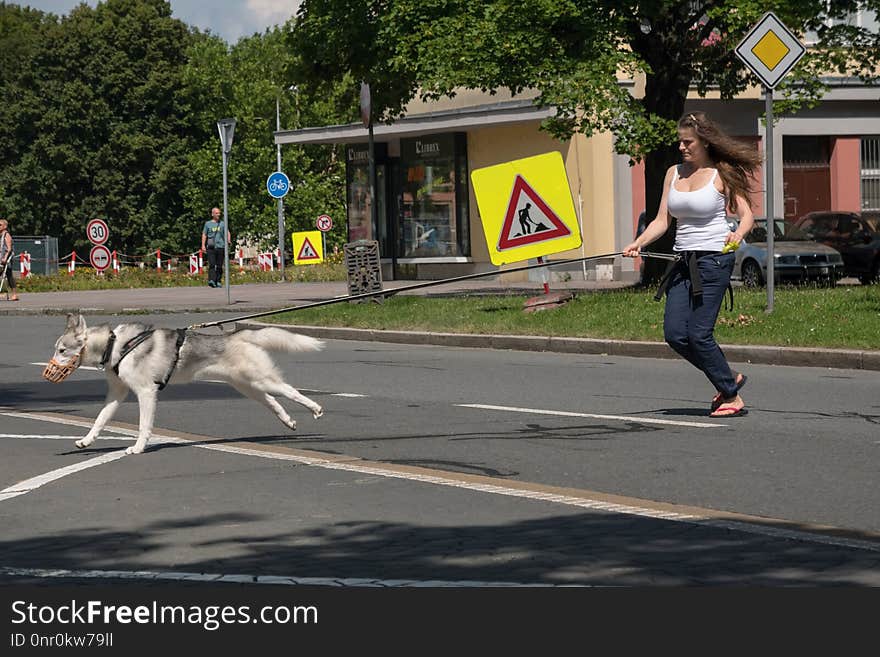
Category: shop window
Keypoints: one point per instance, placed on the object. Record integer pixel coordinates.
(434, 215)
(358, 198)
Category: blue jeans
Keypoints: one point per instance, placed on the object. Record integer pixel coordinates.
(689, 324)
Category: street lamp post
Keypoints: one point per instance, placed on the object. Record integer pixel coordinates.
(226, 127)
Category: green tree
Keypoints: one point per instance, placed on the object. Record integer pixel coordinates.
(107, 132)
(572, 53)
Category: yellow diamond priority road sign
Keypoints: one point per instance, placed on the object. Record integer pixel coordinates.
(770, 50)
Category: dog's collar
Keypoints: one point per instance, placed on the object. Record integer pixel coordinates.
(108, 351)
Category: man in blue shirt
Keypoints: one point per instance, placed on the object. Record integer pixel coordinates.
(214, 247)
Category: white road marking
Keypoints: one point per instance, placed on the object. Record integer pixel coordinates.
(380, 470)
(58, 436)
(346, 394)
(33, 483)
(290, 580)
(621, 418)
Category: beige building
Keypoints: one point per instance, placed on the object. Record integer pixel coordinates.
(428, 224)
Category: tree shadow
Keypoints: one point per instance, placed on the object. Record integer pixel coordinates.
(580, 548)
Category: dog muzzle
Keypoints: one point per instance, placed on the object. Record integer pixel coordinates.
(55, 372)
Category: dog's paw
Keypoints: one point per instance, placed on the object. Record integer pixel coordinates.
(292, 425)
(134, 449)
(318, 413)
(84, 442)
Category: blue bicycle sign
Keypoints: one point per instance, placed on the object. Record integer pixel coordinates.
(278, 184)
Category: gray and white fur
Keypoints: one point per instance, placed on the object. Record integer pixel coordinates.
(240, 359)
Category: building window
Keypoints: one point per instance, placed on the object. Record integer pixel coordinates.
(871, 173)
(806, 151)
(434, 197)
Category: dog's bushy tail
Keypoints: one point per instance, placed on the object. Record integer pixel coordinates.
(276, 339)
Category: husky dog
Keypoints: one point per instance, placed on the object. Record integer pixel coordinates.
(143, 359)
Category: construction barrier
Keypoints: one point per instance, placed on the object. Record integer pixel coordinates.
(24, 263)
(71, 266)
(265, 262)
(193, 264)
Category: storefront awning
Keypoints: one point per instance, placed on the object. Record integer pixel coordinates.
(456, 120)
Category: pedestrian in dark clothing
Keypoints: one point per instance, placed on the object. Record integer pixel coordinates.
(7, 264)
(214, 246)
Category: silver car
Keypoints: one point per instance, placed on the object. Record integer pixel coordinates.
(797, 258)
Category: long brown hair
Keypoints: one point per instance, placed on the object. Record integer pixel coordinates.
(736, 161)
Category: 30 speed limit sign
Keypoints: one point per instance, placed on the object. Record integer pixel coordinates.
(324, 223)
(97, 231)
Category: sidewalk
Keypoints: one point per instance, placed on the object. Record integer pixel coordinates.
(256, 298)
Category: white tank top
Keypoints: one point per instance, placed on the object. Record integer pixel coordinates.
(701, 214)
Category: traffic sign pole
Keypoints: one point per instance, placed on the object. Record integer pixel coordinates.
(769, 205)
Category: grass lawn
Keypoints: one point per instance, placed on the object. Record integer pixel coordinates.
(840, 317)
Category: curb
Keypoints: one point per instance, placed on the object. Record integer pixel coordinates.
(759, 354)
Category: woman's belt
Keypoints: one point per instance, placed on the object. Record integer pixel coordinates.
(693, 270)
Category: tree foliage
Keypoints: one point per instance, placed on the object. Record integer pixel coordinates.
(112, 112)
(101, 129)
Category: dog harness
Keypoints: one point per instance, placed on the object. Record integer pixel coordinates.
(132, 344)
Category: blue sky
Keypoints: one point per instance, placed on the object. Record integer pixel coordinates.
(229, 19)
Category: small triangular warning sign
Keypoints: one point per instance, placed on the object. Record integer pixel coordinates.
(528, 219)
(307, 251)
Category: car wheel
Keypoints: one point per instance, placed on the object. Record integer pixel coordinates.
(751, 274)
(871, 277)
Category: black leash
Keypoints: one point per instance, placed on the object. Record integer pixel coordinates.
(418, 286)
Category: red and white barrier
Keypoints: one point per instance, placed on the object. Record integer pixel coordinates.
(158, 260)
(115, 262)
(201, 260)
(193, 264)
(24, 264)
(264, 261)
(239, 254)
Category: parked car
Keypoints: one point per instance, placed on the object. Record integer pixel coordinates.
(855, 236)
(797, 258)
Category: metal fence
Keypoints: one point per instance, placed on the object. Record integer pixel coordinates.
(42, 249)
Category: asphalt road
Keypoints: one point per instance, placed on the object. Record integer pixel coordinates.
(446, 465)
